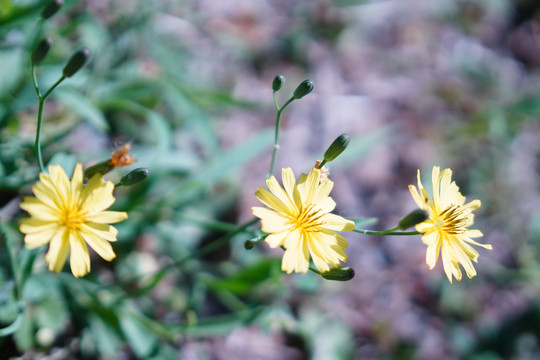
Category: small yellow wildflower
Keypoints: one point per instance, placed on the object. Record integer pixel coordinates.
(446, 230)
(299, 219)
(68, 215)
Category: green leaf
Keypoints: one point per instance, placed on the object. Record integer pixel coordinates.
(24, 336)
(162, 134)
(106, 340)
(226, 163)
(142, 340)
(246, 279)
(84, 108)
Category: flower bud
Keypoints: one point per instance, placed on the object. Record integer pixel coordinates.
(51, 8)
(278, 82)
(134, 177)
(414, 217)
(339, 274)
(303, 89)
(41, 50)
(101, 168)
(76, 62)
(337, 147)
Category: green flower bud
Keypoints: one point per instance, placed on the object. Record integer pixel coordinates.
(278, 82)
(76, 62)
(303, 89)
(41, 50)
(134, 177)
(339, 274)
(101, 168)
(337, 147)
(414, 217)
(51, 8)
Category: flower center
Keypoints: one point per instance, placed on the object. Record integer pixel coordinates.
(307, 218)
(72, 218)
(452, 220)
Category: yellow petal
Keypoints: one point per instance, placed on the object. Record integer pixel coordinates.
(102, 247)
(337, 223)
(33, 225)
(296, 257)
(277, 239)
(289, 184)
(432, 254)
(76, 183)
(104, 231)
(79, 259)
(61, 182)
(37, 239)
(450, 265)
(271, 221)
(418, 199)
(58, 251)
(270, 200)
(280, 194)
(107, 217)
(326, 205)
(309, 186)
(99, 198)
(46, 195)
(323, 191)
(39, 210)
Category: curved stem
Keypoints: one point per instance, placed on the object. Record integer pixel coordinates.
(386, 232)
(34, 81)
(41, 99)
(37, 144)
(62, 78)
(11, 328)
(276, 135)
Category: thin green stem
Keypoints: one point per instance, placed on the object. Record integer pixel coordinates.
(37, 145)
(275, 102)
(62, 78)
(10, 329)
(276, 135)
(41, 99)
(321, 164)
(386, 232)
(34, 81)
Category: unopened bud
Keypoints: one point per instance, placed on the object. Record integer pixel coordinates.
(278, 82)
(76, 62)
(339, 274)
(134, 177)
(414, 217)
(41, 50)
(337, 147)
(101, 168)
(303, 89)
(51, 8)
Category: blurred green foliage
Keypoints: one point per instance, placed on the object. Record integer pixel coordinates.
(181, 274)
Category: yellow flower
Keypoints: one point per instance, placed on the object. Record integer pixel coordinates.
(68, 215)
(446, 231)
(299, 220)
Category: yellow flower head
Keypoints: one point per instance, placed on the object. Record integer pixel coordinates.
(299, 219)
(446, 231)
(68, 215)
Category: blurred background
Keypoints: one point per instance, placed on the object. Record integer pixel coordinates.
(188, 85)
